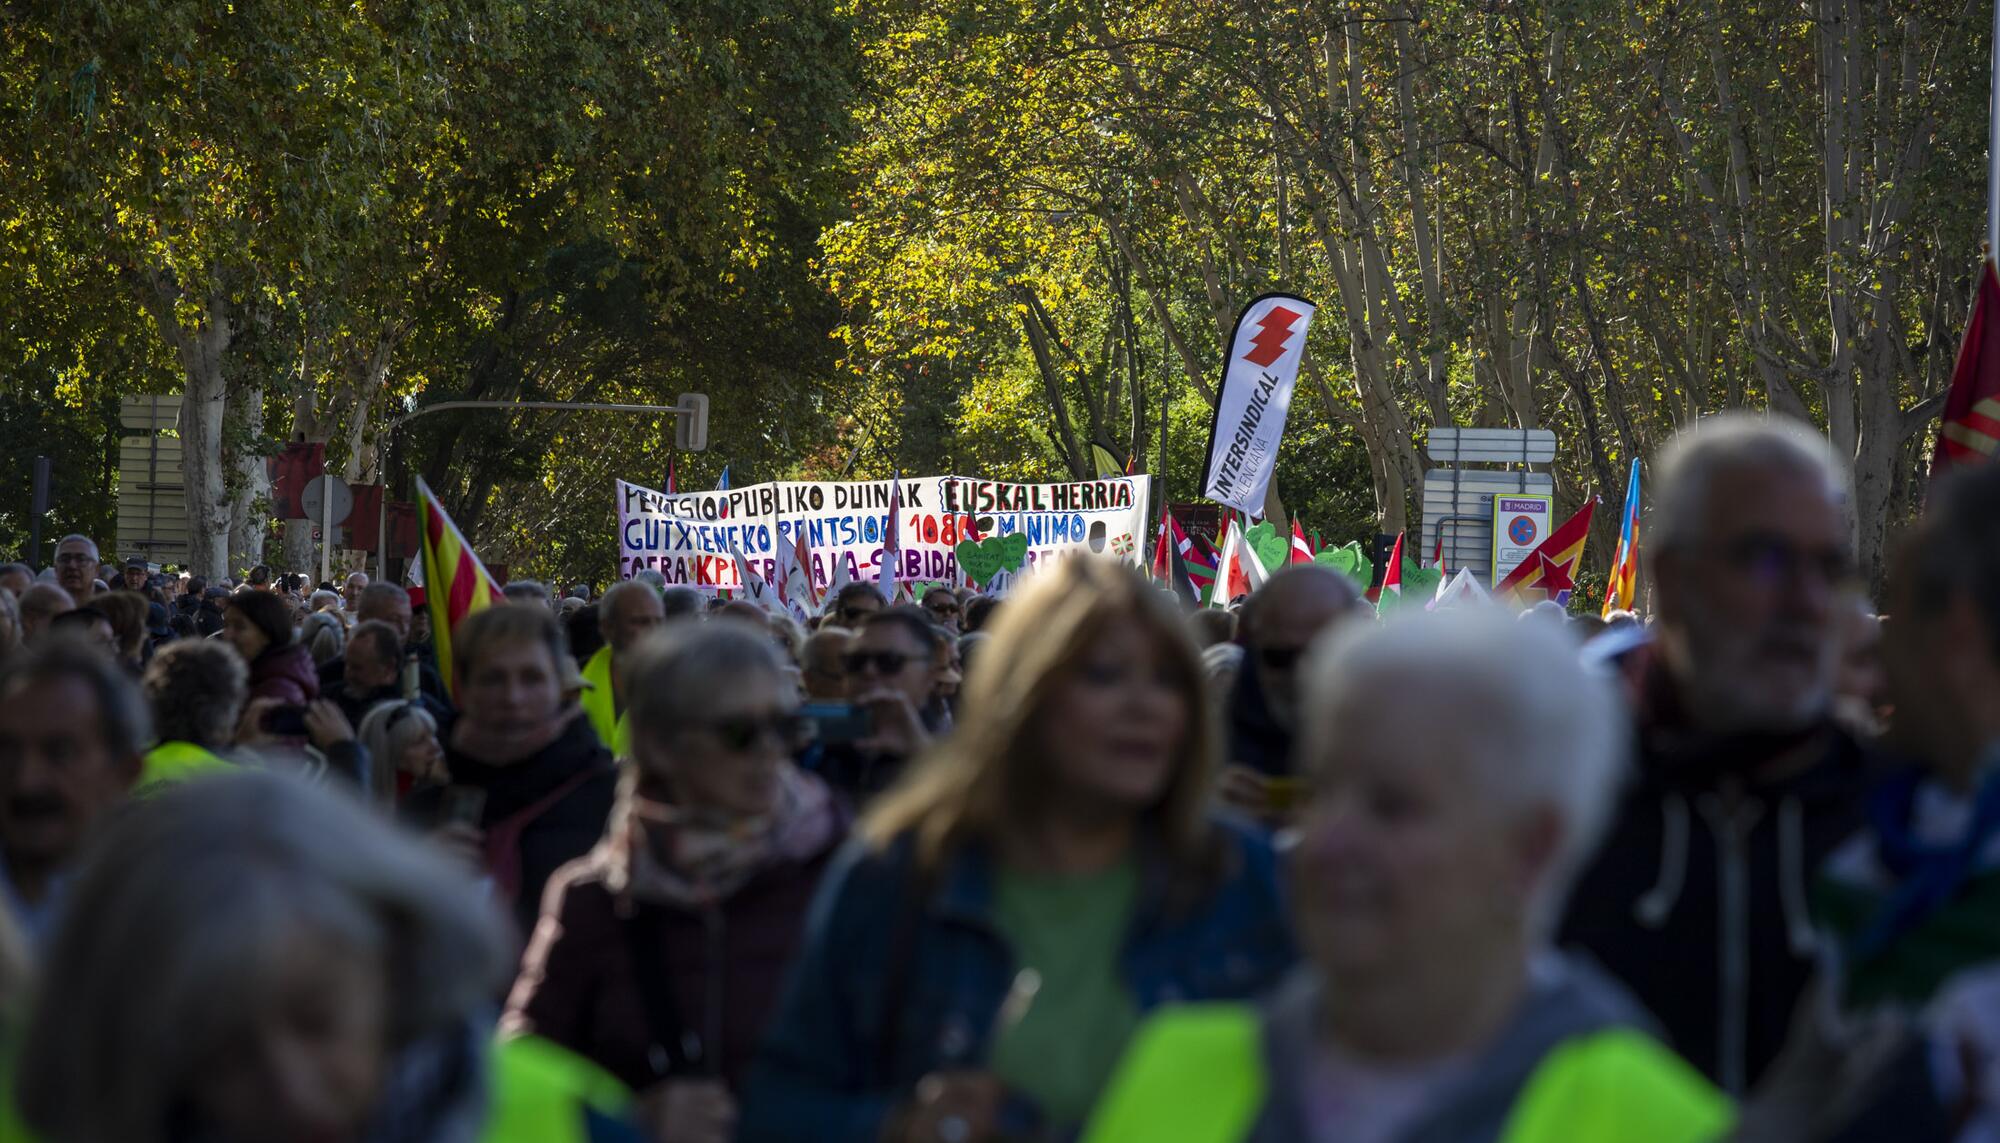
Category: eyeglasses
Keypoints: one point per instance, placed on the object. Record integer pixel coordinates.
(850, 614)
(75, 558)
(1280, 658)
(884, 662)
(1772, 561)
(942, 608)
(739, 733)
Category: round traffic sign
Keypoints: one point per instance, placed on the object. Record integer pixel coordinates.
(1521, 531)
(312, 500)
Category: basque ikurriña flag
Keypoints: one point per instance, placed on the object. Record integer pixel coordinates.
(456, 584)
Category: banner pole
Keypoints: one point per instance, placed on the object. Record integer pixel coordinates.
(1993, 139)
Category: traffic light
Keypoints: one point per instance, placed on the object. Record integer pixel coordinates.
(691, 426)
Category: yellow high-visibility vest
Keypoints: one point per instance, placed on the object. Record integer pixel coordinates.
(601, 707)
(178, 761)
(1196, 1074)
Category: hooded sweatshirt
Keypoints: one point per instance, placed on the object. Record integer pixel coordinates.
(1697, 900)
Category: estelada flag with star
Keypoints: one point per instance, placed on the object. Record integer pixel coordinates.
(1549, 572)
(1971, 429)
(456, 584)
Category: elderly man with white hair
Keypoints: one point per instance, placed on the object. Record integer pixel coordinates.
(1461, 767)
(1745, 782)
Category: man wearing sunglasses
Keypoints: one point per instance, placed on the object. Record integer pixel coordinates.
(1279, 623)
(1743, 784)
(892, 666)
(855, 602)
(942, 606)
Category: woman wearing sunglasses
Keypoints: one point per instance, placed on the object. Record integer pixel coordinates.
(660, 953)
(1042, 878)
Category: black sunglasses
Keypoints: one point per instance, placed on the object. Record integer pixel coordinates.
(884, 662)
(942, 608)
(741, 732)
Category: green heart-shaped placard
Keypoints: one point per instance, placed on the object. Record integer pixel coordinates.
(1013, 549)
(977, 562)
(1272, 548)
(1420, 582)
(1349, 561)
(991, 556)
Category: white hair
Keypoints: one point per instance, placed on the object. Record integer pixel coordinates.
(323, 599)
(1542, 731)
(1688, 465)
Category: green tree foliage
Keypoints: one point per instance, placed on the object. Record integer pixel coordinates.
(1601, 219)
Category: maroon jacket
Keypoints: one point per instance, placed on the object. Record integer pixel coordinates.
(286, 674)
(724, 968)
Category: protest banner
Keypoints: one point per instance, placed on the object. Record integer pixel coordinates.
(1266, 349)
(949, 529)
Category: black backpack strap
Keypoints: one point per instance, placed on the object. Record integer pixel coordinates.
(676, 1049)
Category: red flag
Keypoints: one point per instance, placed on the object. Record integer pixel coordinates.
(403, 542)
(1549, 572)
(290, 472)
(1392, 579)
(456, 583)
(364, 523)
(1971, 428)
(1302, 552)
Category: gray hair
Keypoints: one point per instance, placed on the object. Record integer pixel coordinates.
(651, 577)
(386, 729)
(324, 636)
(607, 604)
(1550, 733)
(1687, 468)
(676, 670)
(683, 601)
(197, 688)
(122, 720)
(181, 911)
(80, 538)
(527, 591)
(322, 599)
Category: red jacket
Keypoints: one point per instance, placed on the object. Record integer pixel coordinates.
(724, 967)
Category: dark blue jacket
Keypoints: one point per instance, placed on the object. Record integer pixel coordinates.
(829, 1069)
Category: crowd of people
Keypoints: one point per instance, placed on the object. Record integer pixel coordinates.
(1071, 864)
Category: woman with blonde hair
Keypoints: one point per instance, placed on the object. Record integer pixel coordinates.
(1039, 881)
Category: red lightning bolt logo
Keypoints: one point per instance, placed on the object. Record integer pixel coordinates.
(1274, 330)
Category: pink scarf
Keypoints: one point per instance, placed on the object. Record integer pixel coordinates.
(693, 859)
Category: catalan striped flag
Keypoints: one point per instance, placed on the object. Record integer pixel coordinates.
(1549, 572)
(456, 584)
(1621, 593)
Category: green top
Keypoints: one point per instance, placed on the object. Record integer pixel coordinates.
(1059, 1048)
